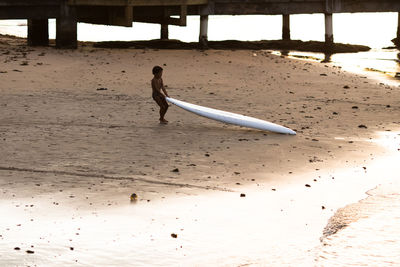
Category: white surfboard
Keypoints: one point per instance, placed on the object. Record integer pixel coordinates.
(231, 118)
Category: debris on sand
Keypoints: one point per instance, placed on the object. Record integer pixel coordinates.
(134, 197)
(173, 235)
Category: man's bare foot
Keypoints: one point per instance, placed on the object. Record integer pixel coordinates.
(164, 121)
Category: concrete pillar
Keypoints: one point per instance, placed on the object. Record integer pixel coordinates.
(398, 26)
(66, 27)
(203, 38)
(328, 29)
(396, 40)
(38, 32)
(164, 32)
(286, 27)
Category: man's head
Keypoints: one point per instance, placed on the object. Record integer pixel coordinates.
(157, 71)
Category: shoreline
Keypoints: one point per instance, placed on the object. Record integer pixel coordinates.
(63, 139)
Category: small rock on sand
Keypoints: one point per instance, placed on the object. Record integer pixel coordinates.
(174, 235)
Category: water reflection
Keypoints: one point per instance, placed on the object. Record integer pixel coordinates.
(380, 64)
(327, 58)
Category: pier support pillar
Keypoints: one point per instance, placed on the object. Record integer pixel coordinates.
(328, 30)
(396, 40)
(285, 27)
(38, 32)
(398, 26)
(164, 32)
(66, 27)
(203, 38)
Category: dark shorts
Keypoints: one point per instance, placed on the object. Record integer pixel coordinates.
(160, 100)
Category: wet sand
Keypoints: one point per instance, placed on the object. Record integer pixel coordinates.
(79, 134)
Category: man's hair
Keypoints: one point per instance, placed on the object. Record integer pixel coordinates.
(157, 69)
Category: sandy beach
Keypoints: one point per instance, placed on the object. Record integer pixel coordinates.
(79, 134)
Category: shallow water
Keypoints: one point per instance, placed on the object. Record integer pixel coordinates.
(370, 233)
(366, 233)
(379, 64)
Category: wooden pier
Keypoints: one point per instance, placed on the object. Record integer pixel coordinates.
(170, 12)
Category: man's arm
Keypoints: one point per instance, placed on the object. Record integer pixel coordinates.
(163, 88)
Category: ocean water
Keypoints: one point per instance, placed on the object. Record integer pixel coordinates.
(362, 233)
(365, 233)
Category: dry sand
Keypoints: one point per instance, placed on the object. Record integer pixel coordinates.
(68, 148)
